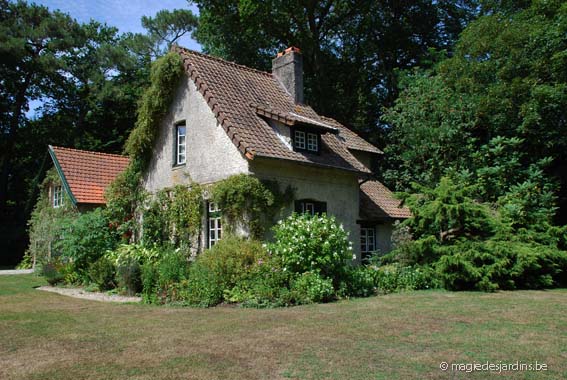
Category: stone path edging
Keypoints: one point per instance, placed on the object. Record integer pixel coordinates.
(94, 296)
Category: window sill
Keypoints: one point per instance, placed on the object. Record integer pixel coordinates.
(178, 166)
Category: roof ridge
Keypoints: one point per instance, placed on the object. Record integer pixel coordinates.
(220, 60)
(90, 152)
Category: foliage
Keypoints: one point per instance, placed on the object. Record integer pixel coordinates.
(224, 266)
(358, 282)
(495, 112)
(266, 285)
(129, 276)
(351, 49)
(395, 278)
(63, 83)
(123, 197)
(203, 288)
(127, 252)
(161, 280)
(52, 273)
(471, 246)
(245, 200)
(47, 224)
(306, 243)
(494, 265)
(86, 239)
(449, 211)
(311, 287)
(102, 273)
(173, 216)
(165, 73)
(166, 27)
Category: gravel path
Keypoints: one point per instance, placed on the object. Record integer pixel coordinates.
(80, 293)
(16, 271)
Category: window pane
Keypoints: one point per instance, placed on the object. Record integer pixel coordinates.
(312, 143)
(300, 139)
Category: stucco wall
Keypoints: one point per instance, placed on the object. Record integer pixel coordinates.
(336, 187)
(211, 156)
(384, 237)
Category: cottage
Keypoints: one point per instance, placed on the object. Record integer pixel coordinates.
(83, 176)
(229, 119)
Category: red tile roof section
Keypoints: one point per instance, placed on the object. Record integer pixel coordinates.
(89, 173)
(233, 90)
(377, 202)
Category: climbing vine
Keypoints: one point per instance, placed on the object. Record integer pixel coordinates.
(164, 75)
(47, 223)
(125, 196)
(246, 200)
(173, 216)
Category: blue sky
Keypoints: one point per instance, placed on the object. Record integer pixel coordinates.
(123, 14)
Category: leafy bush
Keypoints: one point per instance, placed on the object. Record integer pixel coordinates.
(358, 282)
(494, 265)
(310, 287)
(125, 253)
(203, 289)
(86, 239)
(149, 279)
(266, 285)
(128, 276)
(160, 280)
(306, 243)
(51, 272)
(221, 268)
(102, 273)
(395, 278)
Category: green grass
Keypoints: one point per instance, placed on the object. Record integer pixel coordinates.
(399, 336)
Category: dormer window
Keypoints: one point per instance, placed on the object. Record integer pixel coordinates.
(299, 139)
(304, 140)
(57, 196)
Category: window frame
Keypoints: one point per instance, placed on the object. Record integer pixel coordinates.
(296, 142)
(364, 239)
(310, 141)
(214, 224)
(176, 160)
(310, 206)
(57, 196)
(314, 142)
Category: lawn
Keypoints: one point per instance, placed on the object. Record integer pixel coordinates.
(398, 336)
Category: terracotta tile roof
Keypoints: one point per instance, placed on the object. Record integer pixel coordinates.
(233, 92)
(87, 173)
(377, 202)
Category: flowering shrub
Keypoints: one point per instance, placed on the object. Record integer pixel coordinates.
(306, 243)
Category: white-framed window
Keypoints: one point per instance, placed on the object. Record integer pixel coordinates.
(312, 142)
(299, 139)
(57, 196)
(180, 144)
(308, 207)
(214, 223)
(367, 239)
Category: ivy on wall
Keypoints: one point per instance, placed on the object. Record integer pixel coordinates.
(250, 202)
(173, 216)
(165, 73)
(47, 223)
(125, 195)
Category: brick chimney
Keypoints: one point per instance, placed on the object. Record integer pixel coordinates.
(287, 67)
